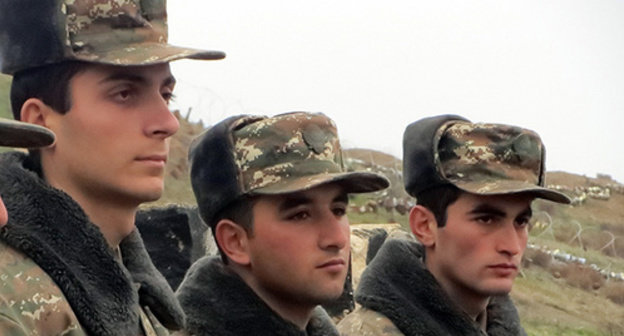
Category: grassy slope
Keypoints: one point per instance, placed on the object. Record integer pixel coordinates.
(5, 83)
(5, 111)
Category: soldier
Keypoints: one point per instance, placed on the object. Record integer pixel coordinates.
(97, 74)
(18, 134)
(274, 193)
(474, 185)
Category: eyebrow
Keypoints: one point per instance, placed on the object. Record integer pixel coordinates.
(487, 209)
(131, 77)
(482, 209)
(298, 199)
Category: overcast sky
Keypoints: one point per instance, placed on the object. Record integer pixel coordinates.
(552, 66)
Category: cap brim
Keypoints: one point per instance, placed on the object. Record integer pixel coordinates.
(352, 182)
(148, 53)
(21, 134)
(503, 187)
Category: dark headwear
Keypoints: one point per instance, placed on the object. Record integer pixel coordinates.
(131, 32)
(20, 134)
(485, 159)
(255, 155)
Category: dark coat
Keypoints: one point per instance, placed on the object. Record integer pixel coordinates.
(403, 297)
(49, 233)
(217, 302)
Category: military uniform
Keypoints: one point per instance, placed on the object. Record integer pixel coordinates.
(398, 296)
(58, 273)
(218, 302)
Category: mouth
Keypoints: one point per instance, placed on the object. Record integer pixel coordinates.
(335, 264)
(157, 159)
(504, 269)
(504, 266)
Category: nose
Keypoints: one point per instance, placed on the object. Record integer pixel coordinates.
(335, 234)
(162, 123)
(511, 240)
(4, 216)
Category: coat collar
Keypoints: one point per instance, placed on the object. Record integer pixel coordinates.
(397, 285)
(48, 226)
(217, 302)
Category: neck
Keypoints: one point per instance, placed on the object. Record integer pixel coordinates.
(296, 312)
(114, 216)
(468, 300)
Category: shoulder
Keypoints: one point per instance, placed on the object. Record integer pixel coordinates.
(29, 298)
(366, 322)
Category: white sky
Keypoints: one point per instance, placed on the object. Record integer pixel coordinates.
(556, 67)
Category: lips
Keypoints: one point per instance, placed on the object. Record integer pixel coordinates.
(505, 266)
(333, 263)
(157, 159)
(504, 269)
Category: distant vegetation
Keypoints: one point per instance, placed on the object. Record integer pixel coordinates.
(5, 84)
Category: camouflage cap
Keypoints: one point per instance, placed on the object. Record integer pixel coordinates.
(480, 158)
(21, 134)
(252, 155)
(118, 32)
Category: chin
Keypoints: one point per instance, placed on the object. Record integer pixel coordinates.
(500, 288)
(149, 192)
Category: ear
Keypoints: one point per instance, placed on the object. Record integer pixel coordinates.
(232, 238)
(35, 111)
(424, 225)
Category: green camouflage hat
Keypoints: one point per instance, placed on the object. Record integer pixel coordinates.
(480, 158)
(252, 155)
(117, 32)
(21, 134)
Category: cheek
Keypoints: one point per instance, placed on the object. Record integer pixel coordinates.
(4, 217)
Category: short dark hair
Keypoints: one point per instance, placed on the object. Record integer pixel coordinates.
(438, 199)
(50, 83)
(239, 211)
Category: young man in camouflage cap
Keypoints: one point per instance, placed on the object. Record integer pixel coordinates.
(274, 192)
(474, 185)
(96, 72)
(19, 134)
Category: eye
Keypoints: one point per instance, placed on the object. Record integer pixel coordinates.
(523, 222)
(122, 94)
(485, 219)
(299, 216)
(339, 210)
(168, 96)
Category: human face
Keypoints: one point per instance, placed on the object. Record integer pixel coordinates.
(477, 253)
(4, 217)
(112, 145)
(299, 248)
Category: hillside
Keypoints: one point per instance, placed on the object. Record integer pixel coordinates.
(5, 84)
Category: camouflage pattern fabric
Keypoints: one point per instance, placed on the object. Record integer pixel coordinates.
(483, 152)
(276, 153)
(366, 322)
(117, 32)
(30, 302)
(492, 159)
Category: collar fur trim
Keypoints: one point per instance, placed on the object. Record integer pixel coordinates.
(48, 226)
(397, 285)
(217, 302)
